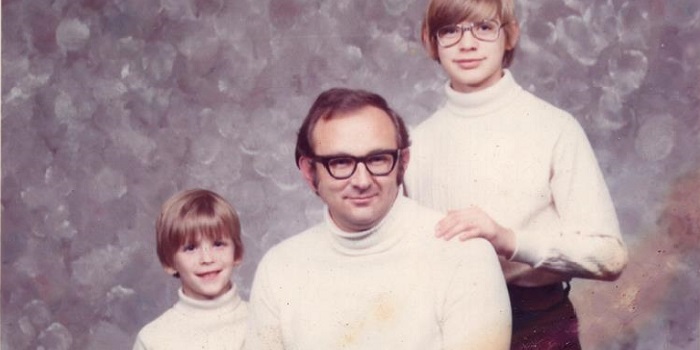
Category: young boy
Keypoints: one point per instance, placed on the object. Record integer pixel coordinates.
(199, 241)
(513, 169)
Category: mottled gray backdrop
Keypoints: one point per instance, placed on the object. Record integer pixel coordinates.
(111, 106)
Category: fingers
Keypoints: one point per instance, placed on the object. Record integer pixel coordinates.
(453, 225)
(469, 234)
(446, 226)
(443, 226)
(463, 231)
(473, 222)
(445, 230)
(466, 223)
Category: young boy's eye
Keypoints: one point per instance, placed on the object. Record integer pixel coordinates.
(223, 242)
(220, 243)
(486, 26)
(189, 247)
(449, 30)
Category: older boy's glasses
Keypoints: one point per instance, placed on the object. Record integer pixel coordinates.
(485, 31)
(342, 167)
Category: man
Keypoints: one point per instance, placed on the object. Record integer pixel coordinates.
(371, 275)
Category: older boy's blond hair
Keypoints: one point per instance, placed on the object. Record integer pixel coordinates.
(192, 215)
(447, 12)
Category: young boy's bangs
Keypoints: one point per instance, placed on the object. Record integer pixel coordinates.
(203, 227)
(484, 10)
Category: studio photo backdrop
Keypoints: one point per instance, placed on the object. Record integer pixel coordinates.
(111, 106)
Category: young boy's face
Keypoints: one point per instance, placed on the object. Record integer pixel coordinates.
(473, 64)
(205, 267)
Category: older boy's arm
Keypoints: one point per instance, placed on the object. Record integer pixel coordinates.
(264, 328)
(139, 345)
(477, 311)
(589, 243)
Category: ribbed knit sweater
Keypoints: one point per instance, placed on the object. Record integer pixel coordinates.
(391, 287)
(218, 324)
(529, 166)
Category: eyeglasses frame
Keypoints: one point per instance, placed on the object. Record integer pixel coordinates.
(325, 160)
(470, 28)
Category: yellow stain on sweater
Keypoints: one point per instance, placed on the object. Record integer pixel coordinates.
(381, 312)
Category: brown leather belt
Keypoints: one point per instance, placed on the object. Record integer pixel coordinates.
(528, 299)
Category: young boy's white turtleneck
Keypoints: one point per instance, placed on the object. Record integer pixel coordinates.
(217, 324)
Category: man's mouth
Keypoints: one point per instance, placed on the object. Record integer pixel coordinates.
(360, 200)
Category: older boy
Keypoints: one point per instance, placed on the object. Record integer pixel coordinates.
(198, 241)
(514, 170)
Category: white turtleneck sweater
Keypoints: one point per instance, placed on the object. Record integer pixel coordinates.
(529, 166)
(391, 287)
(218, 324)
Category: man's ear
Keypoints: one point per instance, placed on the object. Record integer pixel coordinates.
(405, 157)
(308, 171)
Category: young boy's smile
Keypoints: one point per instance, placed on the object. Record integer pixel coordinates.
(205, 267)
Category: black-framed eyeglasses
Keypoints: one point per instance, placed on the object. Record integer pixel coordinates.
(487, 30)
(380, 163)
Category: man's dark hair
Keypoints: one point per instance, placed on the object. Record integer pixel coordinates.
(338, 101)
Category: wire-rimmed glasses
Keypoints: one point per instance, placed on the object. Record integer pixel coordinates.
(487, 30)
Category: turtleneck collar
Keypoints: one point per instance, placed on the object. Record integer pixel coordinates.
(374, 240)
(225, 303)
(475, 104)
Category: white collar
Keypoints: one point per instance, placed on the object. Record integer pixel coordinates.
(482, 102)
(371, 241)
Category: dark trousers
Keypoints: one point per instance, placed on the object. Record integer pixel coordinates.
(543, 318)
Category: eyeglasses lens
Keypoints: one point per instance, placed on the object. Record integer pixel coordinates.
(484, 31)
(377, 165)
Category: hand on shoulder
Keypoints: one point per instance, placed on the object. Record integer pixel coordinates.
(473, 222)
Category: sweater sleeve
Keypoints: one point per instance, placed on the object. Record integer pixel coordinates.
(139, 344)
(476, 307)
(264, 329)
(588, 242)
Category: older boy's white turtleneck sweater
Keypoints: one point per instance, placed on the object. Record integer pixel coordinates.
(529, 166)
(392, 287)
(218, 324)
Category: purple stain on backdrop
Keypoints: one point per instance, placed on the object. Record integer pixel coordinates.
(109, 107)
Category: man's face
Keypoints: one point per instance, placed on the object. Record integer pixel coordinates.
(362, 200)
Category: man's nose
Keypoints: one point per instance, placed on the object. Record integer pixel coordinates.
(362, 177)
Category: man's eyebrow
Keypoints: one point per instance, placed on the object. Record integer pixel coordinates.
(344, 154)
(335, 155)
